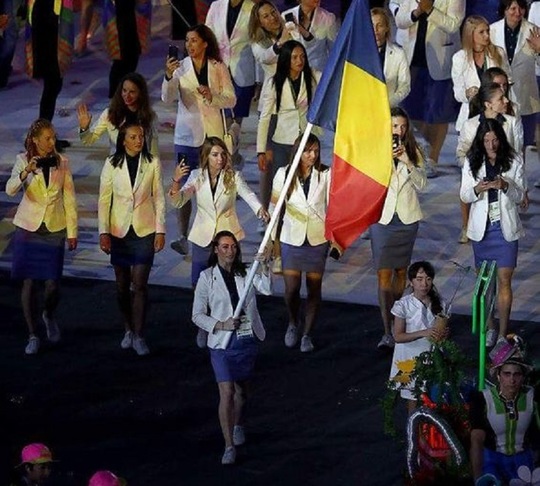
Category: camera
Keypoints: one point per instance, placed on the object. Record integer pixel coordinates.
(396, 141)
(289, 17)
(181, 159)
(173, 52)
(44, 162)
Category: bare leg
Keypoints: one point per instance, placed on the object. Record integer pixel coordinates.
(183, 215)
(465, 210)
(123, 294)
(240, 397)
(293, 281)
(313, 301)
(399, 282)
(411, 406)
(386, 297)
(139, 277)
(504, 298)
(52, 297)
(435, 135)
(226, 410)
(29, 305)
(265, 183)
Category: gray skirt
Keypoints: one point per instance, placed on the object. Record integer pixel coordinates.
(305, 258)
(392, 244)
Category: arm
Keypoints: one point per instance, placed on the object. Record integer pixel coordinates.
(105, 198)
(451, 20)
(268, 101)
(402, 336)
(201, 305)
(170, 84)
(21, 175)
(515, 183)
(180, 196)
(459, 68)
(264, 55)
(403, 85)
(468, 184)
(159, 197)
(465, 140)
(94, 133)
(245, 192)
(70, 205)
(224, 97)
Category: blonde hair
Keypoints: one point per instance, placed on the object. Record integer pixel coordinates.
(228, 171)
(256, 33)
(34, 131)
(382, 13)
(469, 27)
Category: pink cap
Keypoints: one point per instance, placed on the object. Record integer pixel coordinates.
(105, 478)
(36, 454)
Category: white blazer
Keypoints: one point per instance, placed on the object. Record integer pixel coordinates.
(512, 126)
(197, 119)
(212, 304)
(523, 65)
(103, 124)
(465, 76)
(292, 115)
(235, 51)
(120, 205)
(510, 223)
(324, 28)
(214, 213)
(442, 36)
(55, 204)
(534, 17)
(304, 216)
(402, 197)
(396, 74)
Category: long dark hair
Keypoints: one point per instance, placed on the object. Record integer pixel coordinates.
(409, 142)
(477, 153)
(117, 159)
(208, 36)
(284, 67)
(505, 4)
(118, 111)
(489, 75)
(485, 93)
(412, 272)
(312, 140)
(238, 268)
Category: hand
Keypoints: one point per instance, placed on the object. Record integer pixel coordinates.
(32, 165)
(4, 20)
(262, 162)
(231, 324)
(400, 153)
(159, 242)
(105, 243)
(436, 335)
(534, 40)
(180, 171)
(170, 66)
(425, 6)
(285, 36)
(499, 184)
(263, 214)
(206, 93)
(72, 244)
(470, 92)
(482, 186)
(84, 117)
(524, 205)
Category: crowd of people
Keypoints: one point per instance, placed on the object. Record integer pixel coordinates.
(442, 68)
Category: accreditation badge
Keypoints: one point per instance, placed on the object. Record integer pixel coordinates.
(494, 212)
(245, 330)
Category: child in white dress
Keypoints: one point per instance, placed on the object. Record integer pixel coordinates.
(414, 318)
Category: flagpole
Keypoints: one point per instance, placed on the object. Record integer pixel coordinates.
(273, 219)
(179, 14)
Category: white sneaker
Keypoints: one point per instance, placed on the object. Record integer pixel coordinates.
(387, 341)
(491, 338)
(291, 336)
(430, 168)
(238, 435)
(53, 332)
(306, 345)
(202, 338)
(140, 347)
(33, 345)
(229, 456)
(537, 183)
(127, 341)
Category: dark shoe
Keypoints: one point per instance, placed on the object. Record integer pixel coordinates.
(181, 246)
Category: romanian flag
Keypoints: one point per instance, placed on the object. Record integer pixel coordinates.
(351, 100)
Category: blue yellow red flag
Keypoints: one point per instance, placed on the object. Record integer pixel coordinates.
(351, 100)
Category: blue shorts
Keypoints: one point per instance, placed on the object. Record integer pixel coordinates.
(505, 467)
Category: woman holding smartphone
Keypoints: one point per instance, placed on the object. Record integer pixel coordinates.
(202, 87)
(46, 215)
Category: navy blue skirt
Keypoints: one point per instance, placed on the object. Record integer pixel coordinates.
(494, 247)
(199, 261)
(244, 97)
(235, 363)
(305, 258)
(38, 255)
(132, 249)
(430, 101)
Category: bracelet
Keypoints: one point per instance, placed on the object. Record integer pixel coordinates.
(174, 180)
(82, 130)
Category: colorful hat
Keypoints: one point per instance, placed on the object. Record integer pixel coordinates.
(106, 478)
(509, 351)
(36, 454)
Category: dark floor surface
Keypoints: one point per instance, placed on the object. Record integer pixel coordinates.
(313, 419)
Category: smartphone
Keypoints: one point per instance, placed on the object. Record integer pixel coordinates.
(289, 17)
(395, 141)
(181, 159)
(46, 162)
(173, 52)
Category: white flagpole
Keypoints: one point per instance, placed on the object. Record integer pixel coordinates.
(273, 219)
(179, 14)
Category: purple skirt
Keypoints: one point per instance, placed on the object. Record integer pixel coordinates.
(235, 363)
(38, 255)
(494, 247)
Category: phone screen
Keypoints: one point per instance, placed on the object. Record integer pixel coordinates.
(46, 162)
(181, 159)
(395, 141)
(173, 51)
(289, 17)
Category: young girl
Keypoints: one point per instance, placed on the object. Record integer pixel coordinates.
(414, 317)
